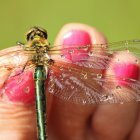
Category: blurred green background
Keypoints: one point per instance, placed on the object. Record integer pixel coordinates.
(118, 19)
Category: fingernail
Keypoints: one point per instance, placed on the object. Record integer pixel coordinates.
(123, 71)
(76, 38)
(21, 88)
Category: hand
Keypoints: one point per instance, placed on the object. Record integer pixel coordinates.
(69, 121)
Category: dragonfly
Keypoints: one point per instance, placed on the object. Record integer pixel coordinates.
(74, 73)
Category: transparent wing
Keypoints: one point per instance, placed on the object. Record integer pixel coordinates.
(13, 61)
(79, 73)
(12, 56)
(130, 45)
(88, 86)
(94, 56)
(69, 82)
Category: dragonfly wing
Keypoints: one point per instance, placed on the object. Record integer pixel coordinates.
(95, 56)
(70, 83)
(114, 92)
(92, 61)
(13, 61)
(14, 56)
(87, 86)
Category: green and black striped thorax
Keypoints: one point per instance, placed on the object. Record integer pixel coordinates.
(37, 41)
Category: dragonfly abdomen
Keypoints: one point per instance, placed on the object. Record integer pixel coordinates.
(40, 78)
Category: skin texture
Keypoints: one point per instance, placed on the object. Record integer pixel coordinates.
(75, 122)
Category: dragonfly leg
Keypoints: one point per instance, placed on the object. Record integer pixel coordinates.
(23, 69)
(50, 61)
(20, 43)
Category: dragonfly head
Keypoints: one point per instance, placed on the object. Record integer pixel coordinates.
(36, 33)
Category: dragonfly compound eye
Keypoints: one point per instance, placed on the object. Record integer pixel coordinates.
(36, 31)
